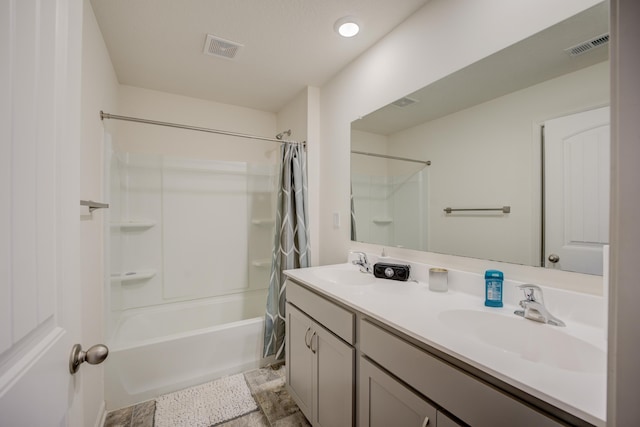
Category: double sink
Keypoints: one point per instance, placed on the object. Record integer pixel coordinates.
(527, 339)
(565, 366)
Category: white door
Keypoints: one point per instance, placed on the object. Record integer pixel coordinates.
(576, 186)
(40, 43)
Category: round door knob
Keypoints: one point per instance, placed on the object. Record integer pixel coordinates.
(553, 258)
(95, 355)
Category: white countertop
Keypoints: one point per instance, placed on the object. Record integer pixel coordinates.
(576, 385)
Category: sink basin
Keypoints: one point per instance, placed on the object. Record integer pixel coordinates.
(344, 276)
(532, 341)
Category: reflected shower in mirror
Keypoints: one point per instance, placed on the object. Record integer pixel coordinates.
(483, 129)
(387, 192)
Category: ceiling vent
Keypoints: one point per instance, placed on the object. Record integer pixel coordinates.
(404, 102)
(215, 46)
(588, 45)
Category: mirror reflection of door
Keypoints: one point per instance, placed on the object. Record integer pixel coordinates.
(576, 191)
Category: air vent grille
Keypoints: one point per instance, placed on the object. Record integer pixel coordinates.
(216, 46)
(404, 102)
(588, 45)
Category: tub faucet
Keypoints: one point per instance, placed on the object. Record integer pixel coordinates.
(363, 262)
(533, 306)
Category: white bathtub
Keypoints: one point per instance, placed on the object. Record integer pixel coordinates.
(158, 350)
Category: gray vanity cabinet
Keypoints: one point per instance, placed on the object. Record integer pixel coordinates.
(399, 381)
(384, 401)
(299, 363)
(444, 421)
(469, 399)
(319, 361)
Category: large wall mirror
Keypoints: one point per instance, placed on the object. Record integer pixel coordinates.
(515, 145)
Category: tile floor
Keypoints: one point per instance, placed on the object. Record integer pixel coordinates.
(276, 408)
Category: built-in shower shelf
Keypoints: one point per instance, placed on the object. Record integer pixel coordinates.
(263, 221)
(382, 221)
(131, 276)
(133, 224)
(261, 263)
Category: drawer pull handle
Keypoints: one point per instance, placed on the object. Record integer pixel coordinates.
(425, 422)
(306, 336)
(311, 342)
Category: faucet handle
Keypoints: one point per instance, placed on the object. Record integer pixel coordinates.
(530, 292)
(362, 257)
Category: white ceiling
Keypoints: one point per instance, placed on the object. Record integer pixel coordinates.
(288, 44)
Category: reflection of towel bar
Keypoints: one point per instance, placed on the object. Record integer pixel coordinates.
(504, 209)
(93, 205)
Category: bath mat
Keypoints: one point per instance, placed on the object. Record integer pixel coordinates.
(205, 405)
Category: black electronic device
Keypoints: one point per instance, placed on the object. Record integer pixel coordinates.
(392, 271)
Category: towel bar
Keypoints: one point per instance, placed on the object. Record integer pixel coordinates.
(93, 205)
(504, 209)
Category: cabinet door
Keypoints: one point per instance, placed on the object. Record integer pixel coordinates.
(445, 421)
(299, 359)
(384, 401)
(333, 380)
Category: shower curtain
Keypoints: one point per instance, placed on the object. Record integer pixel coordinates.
(291, 243)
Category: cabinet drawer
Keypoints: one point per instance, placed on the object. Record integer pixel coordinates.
(331, 316)
(472, 401)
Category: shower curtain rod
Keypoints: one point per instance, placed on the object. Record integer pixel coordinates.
(104, 115)
(385, 156)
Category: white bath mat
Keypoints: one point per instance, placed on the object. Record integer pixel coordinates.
(205, 405)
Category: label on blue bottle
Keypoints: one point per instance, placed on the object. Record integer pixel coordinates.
(494, 293)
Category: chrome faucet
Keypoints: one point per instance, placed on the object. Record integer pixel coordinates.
(363, 262)
(533, 306)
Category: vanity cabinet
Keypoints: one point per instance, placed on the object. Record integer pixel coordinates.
(320, 358)
(345, 368)
(471, 400)
(442, 420)
(384, 401)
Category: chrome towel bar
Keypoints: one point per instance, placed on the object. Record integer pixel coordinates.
(504, 209)
(93, 205)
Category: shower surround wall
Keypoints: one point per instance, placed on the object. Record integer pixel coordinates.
(190, 238)
(190, 258)
(384, 204)
(147, 148)
(387, 195)
(188, 229)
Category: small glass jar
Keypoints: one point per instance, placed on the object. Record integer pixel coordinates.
(438, 279)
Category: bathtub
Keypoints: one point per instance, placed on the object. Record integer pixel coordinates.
(159, 350)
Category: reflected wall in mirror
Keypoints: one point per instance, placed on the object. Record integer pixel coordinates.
(482, 129)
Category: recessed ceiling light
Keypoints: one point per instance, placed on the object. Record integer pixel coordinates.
(347, 26)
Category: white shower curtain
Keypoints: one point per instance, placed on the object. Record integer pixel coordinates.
(291, 243)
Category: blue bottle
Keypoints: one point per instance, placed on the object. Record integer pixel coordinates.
(493, 288)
